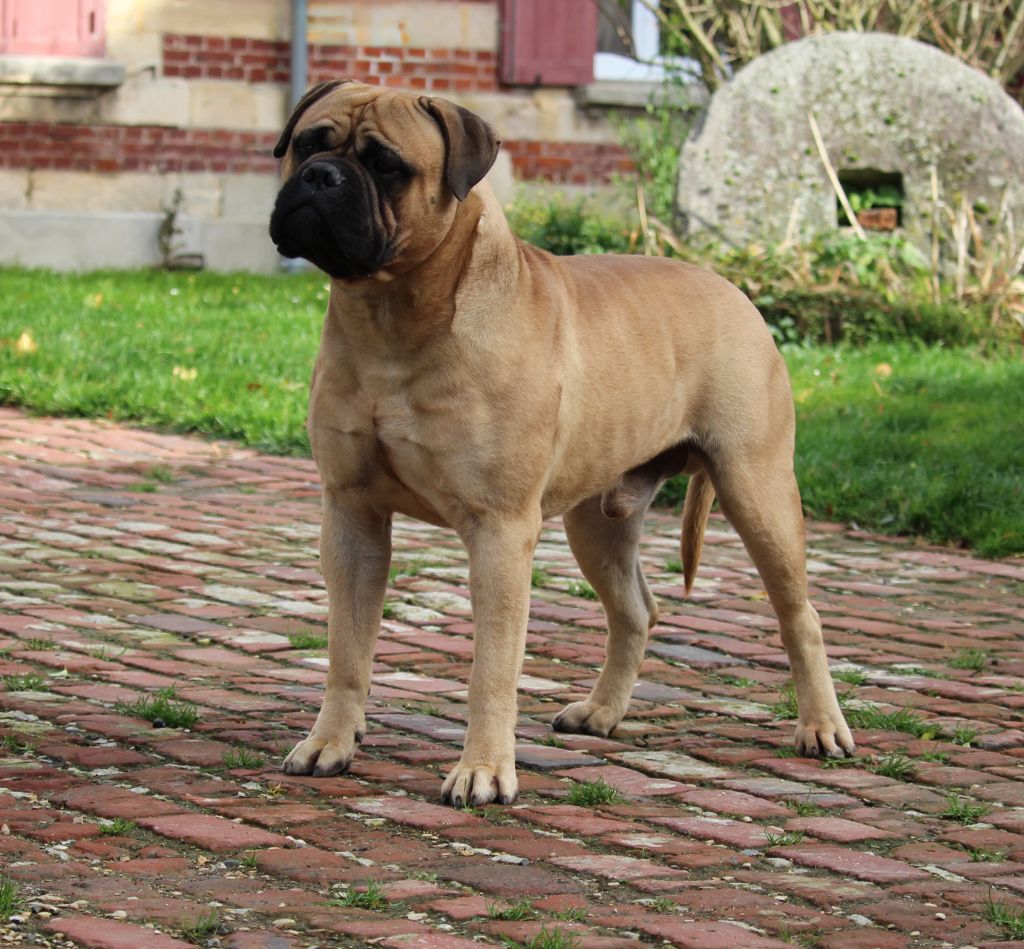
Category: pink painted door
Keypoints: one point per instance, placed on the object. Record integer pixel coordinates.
(52, 27)
(548, 42)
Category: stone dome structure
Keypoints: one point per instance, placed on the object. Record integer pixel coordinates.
(890, 109)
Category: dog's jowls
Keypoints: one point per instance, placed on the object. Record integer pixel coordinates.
(476, 382)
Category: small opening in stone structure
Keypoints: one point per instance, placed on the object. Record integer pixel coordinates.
(875, 196)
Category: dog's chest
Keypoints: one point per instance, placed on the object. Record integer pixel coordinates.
(381, 429)
(375, 404)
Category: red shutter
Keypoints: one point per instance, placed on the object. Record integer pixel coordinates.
(52, 27)
(548, 42)
(792, 25)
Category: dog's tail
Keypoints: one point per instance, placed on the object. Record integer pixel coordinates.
(700, 493)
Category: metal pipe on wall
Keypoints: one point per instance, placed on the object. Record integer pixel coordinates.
(300, 58)
(297, 86)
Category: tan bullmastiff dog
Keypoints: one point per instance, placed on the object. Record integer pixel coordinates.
(473, 381)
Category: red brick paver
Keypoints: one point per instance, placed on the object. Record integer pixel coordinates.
(134, 563)
(110, 934)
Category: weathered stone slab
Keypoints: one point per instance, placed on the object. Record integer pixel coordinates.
(750, 168)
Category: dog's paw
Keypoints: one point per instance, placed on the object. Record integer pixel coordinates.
(473, 785)
(587, 718)
(322, 756)
(826, 736)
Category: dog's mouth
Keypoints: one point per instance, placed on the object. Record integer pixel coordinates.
(332, 230)
(290, 228)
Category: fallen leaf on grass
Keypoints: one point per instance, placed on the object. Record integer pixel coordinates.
(25, 345)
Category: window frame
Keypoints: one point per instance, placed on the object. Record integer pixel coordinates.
(648, 65)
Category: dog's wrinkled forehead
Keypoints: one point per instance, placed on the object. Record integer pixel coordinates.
(427, 132)
(351, 109)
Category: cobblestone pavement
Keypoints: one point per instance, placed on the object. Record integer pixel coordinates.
(134, 563)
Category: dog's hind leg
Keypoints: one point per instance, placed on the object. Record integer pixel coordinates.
(635, 490)
(607, 552)
(760, 497)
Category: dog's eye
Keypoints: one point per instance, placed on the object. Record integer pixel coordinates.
(384, 163)
(310, 142)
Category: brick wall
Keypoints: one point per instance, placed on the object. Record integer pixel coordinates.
(148, 148)
(568, 162)
(157, 148)
(154, 148)
(224, 57)
(253, 60)
(432, 70)
(265, 64)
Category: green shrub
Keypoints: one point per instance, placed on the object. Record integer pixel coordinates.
(163, 710)
(859, 317)
(567, 227)
(10, 899)
(835, 289)
(370, 897)
(719, 38)
(839, 288)
(654, 142)
(593, 793)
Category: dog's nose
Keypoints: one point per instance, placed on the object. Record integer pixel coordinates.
(322, 174)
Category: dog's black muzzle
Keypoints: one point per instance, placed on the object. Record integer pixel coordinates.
(326, 212)
(322, 175)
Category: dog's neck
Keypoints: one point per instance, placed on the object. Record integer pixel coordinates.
(421, 303)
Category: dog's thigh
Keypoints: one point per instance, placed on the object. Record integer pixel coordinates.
(608, 554)
(355, 553)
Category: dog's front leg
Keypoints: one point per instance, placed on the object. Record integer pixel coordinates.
(500, 559)
(355, 553)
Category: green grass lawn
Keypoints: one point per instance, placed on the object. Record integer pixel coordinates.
(895, 437)
(225, 355)
(914, 440)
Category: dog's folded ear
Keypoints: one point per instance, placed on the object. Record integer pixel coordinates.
(471, 145)
(317, 92)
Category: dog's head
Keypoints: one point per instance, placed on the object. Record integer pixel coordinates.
(372, 176)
